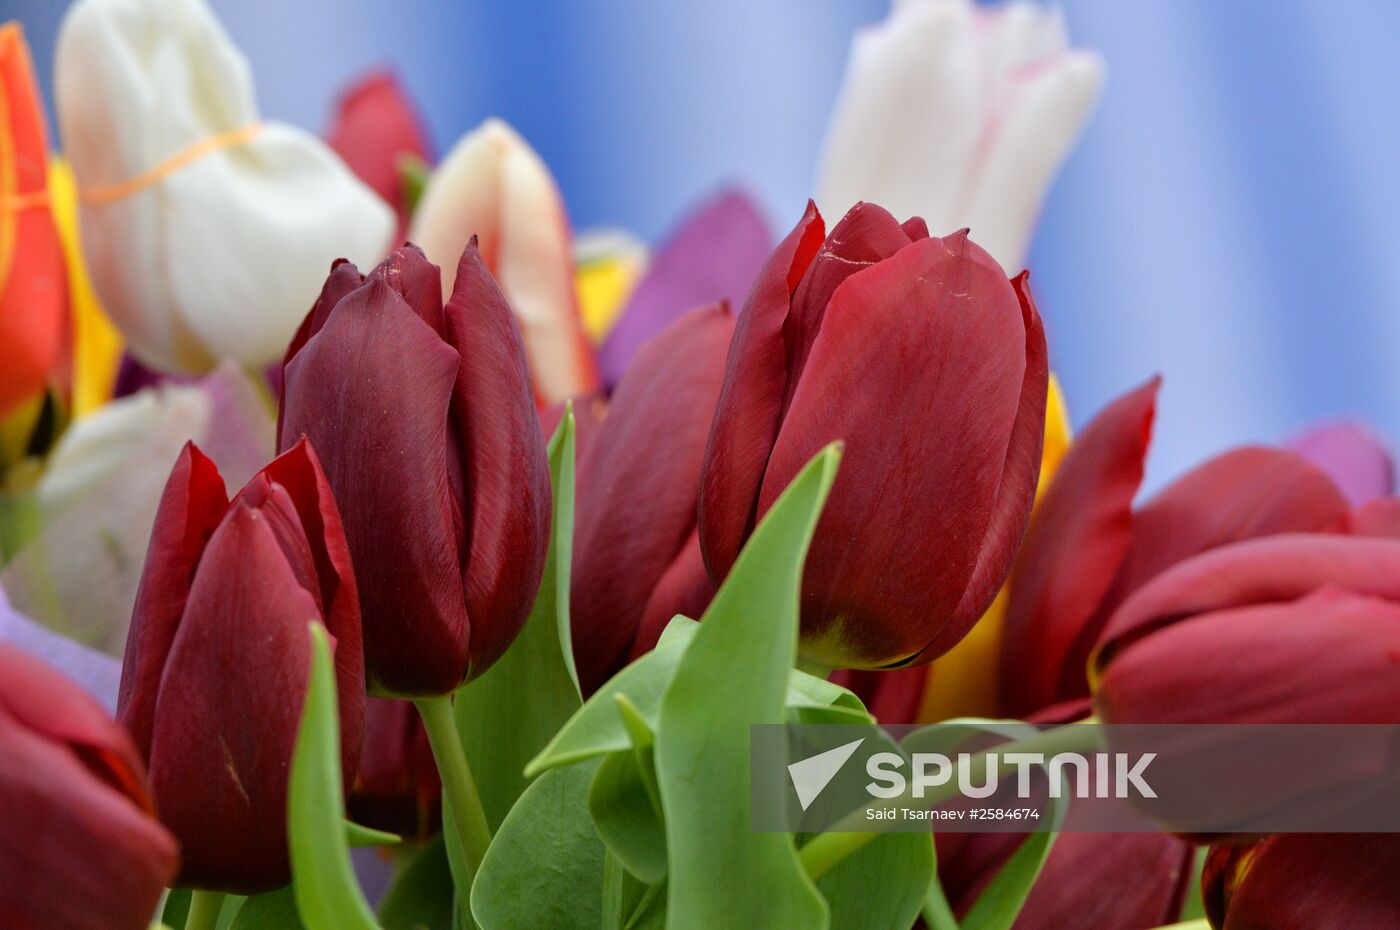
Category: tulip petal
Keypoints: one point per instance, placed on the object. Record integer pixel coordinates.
(1073, 548)
(636, 505)
(684, 589)
(1017, 488)
(961, 358)
(193, 504)
(33, 282)
(750, 403)
(715, 255)
(1318, 881)
(299, 471)
(1270, 569)
(507, 503)
(383, 436)
(375, 127)
(1352, 456)
(1379, 517)
(78, 854)
(241, 654)
(1328, 658)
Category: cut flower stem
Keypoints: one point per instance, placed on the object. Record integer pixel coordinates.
(204, 910)
(462, 811)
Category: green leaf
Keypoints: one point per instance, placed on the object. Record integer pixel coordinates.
(276, 910)
(735, 673)
(881, 885)
(413, 179)
(327, 895)
(597, 729)
(508, 714)
(626, 806)
(1194, 907)
(421, 896)
(357, 834)
(545, 867)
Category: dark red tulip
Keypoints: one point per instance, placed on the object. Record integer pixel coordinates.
(636, 550)
(1087, 548)
(398, 788)
(930, 364)
(80, 848)
(376, 129)
(1296, 628)
(424, 418)
(218, 658)
(1308, 881)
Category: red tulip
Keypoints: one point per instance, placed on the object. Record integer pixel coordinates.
(636, 550)
(1087, 548)
(423, 415)
(1296, 628)
(1309, 881)
(931, 366)
(375, 130)
(218, 658)
(398, 788)
(80, 848)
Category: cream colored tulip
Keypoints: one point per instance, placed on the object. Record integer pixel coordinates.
(492, 185)
(208, 231)
(961, 115)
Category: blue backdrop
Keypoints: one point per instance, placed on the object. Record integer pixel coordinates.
(1231, 218)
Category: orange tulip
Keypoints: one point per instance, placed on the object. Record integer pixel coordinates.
(33, 289)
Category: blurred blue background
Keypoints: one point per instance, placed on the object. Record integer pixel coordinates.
(1230, 219)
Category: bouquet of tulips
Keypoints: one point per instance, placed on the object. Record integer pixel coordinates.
(442, 588)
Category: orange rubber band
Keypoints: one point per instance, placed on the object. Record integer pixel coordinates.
(107, 193)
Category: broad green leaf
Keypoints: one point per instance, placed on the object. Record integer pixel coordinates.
(626, 806)
(357, 834)
(545, 867)
(508, 714)
(421, 896)
(276, 910)
(881, 885)
(735, 673)
(327, 895)
(623, 894)
(597, 729)
(937, 913)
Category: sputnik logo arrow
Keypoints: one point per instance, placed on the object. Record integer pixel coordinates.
(811, 776)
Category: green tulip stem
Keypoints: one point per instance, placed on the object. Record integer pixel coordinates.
(204, 910)
(467, 816)
(826, 850)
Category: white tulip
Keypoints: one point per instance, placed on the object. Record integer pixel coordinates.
(960, 115)
(492, 185)
(199, 250)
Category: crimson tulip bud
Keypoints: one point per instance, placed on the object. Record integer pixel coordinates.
(930, 364)
(1304, 881)
(424, 417)
(398, 788)
(218, 658)
(636, 548)
(80, 848)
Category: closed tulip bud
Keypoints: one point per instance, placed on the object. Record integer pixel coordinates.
(423, 416)
(930, 364)
(33, 289)
(1317, 881)
(493, 187)
(204, 226)
(378, 132)
(80, 846)
(636, 548)
(218, 659)
(398, 788)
